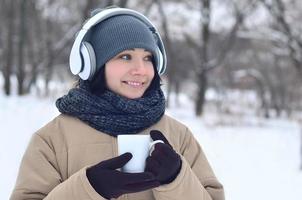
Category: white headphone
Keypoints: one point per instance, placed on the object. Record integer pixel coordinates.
(82, 58)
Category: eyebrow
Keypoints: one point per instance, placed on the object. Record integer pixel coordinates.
(132, 49)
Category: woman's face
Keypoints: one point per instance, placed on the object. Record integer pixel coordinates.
(130, 73)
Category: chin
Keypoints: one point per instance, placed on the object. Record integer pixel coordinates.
(133, 96)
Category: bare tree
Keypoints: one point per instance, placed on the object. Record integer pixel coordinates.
(2, 35)
(203, 47)
(294, 42)
(8, 55)
(35, 49)
(22, 35)
(171, 73)
(174, 74)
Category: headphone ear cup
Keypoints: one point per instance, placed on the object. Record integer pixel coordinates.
(89, 61)
(160, 61)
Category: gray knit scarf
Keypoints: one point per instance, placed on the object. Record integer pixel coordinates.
(111, 113)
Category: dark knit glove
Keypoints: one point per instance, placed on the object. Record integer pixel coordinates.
(164, 162)
(111, 183)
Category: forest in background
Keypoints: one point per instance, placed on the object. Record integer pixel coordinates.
(222, 45)
(240, 61)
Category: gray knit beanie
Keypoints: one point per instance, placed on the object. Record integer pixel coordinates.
(116, 34)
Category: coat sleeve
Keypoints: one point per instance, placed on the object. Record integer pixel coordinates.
(39, 177)
(196, 180)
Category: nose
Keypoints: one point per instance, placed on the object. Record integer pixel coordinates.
(139, 67)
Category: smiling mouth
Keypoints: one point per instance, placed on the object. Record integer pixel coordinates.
(134, 83)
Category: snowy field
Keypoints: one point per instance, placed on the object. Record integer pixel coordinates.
(254, 159)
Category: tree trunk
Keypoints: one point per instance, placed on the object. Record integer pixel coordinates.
(22, 35)
(200, 100)
(32, 37)
(177, 92)
(261, 94)
(50, 57)
(10, 15)
(34, 66)
(202, 75)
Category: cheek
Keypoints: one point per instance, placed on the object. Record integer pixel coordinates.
(151, 72)
(109, 76)
(113, 75)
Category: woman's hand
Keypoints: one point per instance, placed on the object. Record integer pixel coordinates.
(164, 162)
(111, 183)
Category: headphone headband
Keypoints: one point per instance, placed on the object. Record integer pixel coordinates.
(105, 14)
(76, 59)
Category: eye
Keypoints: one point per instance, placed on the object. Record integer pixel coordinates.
(148, 58)
(125, 56)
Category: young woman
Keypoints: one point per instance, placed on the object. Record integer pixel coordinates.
(75, 156)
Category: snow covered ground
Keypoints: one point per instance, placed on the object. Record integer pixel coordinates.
(256, 159)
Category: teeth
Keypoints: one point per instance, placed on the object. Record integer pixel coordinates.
(134, 83)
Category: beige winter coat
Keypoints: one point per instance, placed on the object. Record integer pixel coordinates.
(55, 162)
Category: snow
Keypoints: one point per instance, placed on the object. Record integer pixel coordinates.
(254, 158)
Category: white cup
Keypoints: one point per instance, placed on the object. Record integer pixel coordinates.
(140, 146)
